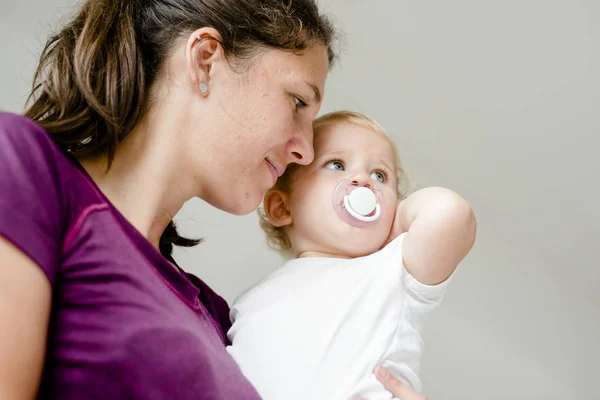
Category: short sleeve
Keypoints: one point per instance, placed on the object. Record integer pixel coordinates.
(32, 212)
(420, 297)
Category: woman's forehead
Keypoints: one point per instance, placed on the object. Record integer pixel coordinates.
(310, 66)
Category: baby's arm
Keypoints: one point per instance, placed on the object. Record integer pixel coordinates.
(441, 231)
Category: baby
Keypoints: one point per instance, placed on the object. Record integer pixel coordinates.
(368, 264)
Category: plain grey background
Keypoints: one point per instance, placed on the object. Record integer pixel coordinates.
(497, 100)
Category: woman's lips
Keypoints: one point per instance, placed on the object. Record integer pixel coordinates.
(274, 171)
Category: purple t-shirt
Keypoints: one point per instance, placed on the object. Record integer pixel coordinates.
(125, 324)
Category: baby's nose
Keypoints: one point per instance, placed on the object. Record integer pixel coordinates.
(362, 180)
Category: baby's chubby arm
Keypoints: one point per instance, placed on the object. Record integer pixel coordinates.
(441, 229)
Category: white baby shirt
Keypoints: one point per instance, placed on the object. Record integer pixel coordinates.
(317, 327)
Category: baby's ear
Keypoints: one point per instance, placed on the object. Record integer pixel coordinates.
(276, 208)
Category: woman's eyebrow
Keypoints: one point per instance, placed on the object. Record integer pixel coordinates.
(317, 92)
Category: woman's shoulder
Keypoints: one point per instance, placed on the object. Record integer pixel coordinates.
(7, 118)
(43, 192)
(25, 146)
(28, 154)
(15, 128)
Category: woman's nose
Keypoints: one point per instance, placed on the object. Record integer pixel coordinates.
(300, 148)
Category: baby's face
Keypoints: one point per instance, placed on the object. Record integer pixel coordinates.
(342, 151)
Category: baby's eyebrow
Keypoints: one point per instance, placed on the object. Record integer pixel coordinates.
(332, 153)
(385, 164)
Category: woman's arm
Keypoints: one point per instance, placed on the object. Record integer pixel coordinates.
(25, 298)
(396, 387)
(441, 231)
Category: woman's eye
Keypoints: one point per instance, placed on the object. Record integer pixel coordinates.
(335, 165)
(300, 104)
(378, 176)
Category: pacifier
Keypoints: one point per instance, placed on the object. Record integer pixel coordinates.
(358, 205)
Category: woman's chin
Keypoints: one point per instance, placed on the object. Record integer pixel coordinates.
(242, 204)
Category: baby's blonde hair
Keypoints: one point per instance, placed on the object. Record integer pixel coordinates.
(277, 238)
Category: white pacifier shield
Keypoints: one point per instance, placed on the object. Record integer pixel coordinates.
(362, 200)
(358, 206)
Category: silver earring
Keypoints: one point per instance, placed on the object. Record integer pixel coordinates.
(203, 87)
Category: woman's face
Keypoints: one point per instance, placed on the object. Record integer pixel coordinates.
(260, 120)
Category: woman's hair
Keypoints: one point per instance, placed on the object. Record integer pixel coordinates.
(277, 238)
(95, 77)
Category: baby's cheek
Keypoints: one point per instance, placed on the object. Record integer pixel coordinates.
(390, 213)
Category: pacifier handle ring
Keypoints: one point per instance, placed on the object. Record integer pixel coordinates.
(361, 217)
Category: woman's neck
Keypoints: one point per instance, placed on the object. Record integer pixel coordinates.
(143, 181)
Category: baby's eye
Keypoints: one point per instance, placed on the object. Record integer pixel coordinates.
(379, 176)
(335, 165)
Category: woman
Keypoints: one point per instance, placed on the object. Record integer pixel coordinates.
(139, 106)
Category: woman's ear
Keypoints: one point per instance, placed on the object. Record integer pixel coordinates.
(203, 51)
(276, 208)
